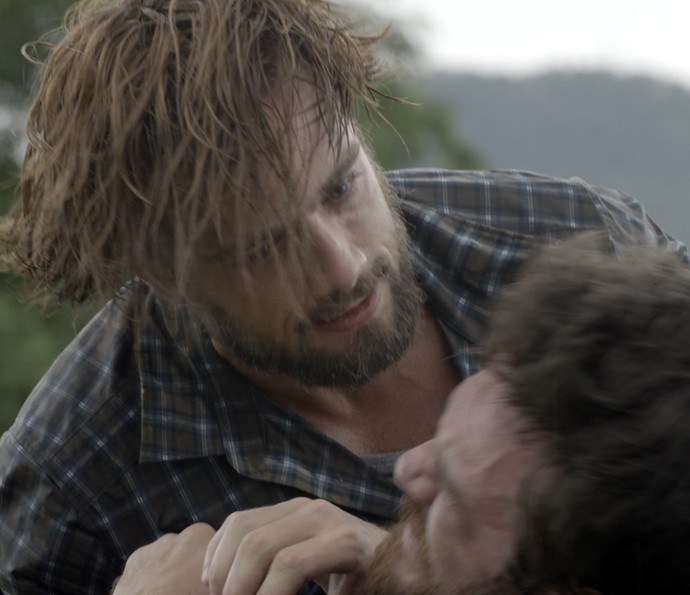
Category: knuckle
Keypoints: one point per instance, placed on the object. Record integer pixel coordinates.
(164, 541)
(142, 554)
(134, 557)
(290, 560)
(348, 535)
(165, 538)
(256, 542)
(237, 522)
(198, 530)
(319, 508)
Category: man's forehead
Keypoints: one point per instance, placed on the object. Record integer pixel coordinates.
(304, 151)
(302, 120)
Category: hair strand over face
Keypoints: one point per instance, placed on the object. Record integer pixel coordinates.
(151, 121)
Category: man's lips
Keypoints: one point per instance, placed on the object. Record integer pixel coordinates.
(356, 316)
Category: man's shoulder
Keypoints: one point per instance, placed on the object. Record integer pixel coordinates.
(528, 203)
(519, 182)
(89, 394)
(523, 201)
(135, 385)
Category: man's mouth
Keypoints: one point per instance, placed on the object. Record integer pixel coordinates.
(355, 316)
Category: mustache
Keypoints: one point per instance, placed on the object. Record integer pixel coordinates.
(339, 302)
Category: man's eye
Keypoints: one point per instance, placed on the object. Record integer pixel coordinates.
(342, 189)
(265, 249)
(259, 253)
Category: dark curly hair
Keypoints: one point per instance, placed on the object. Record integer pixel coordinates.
(596, 351)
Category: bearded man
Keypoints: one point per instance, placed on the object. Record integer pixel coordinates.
(281, 319)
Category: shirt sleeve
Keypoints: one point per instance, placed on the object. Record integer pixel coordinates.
(45, 546)
(628, 221)
(535, 205)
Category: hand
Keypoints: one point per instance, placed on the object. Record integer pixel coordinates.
(171, 564)
(275, 549)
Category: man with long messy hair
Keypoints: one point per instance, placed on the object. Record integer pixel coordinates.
(561, 468)
(177, 97)
(280, 317)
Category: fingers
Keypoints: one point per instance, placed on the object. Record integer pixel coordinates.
(238, 527)
(274, 550)
(339, 553)
(171, 564)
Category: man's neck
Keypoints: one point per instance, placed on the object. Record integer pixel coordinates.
(396, 409)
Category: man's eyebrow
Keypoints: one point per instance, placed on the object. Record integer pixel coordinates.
(346, 160)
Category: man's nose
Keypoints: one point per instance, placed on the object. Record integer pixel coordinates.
(415, 473)
(338, 259)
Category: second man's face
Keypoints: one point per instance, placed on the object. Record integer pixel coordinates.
(458, 533)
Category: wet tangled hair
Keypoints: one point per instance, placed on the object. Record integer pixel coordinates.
(149, 122)
(598, 359)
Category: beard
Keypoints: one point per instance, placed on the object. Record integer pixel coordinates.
(420, 579)
(373, 348)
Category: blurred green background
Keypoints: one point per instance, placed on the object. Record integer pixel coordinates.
(30, 339)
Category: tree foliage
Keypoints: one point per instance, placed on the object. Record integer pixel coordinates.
(23, 22)
(417, 132)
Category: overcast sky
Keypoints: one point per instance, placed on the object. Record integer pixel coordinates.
(523, 36)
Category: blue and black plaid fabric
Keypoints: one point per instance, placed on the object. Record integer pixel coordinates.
(124, 440)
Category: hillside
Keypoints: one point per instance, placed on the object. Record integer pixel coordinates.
(631, 133)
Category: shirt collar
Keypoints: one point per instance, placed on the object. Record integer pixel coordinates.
(462, 264)
(177, 419)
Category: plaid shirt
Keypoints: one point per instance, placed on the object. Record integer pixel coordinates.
(123, 440)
